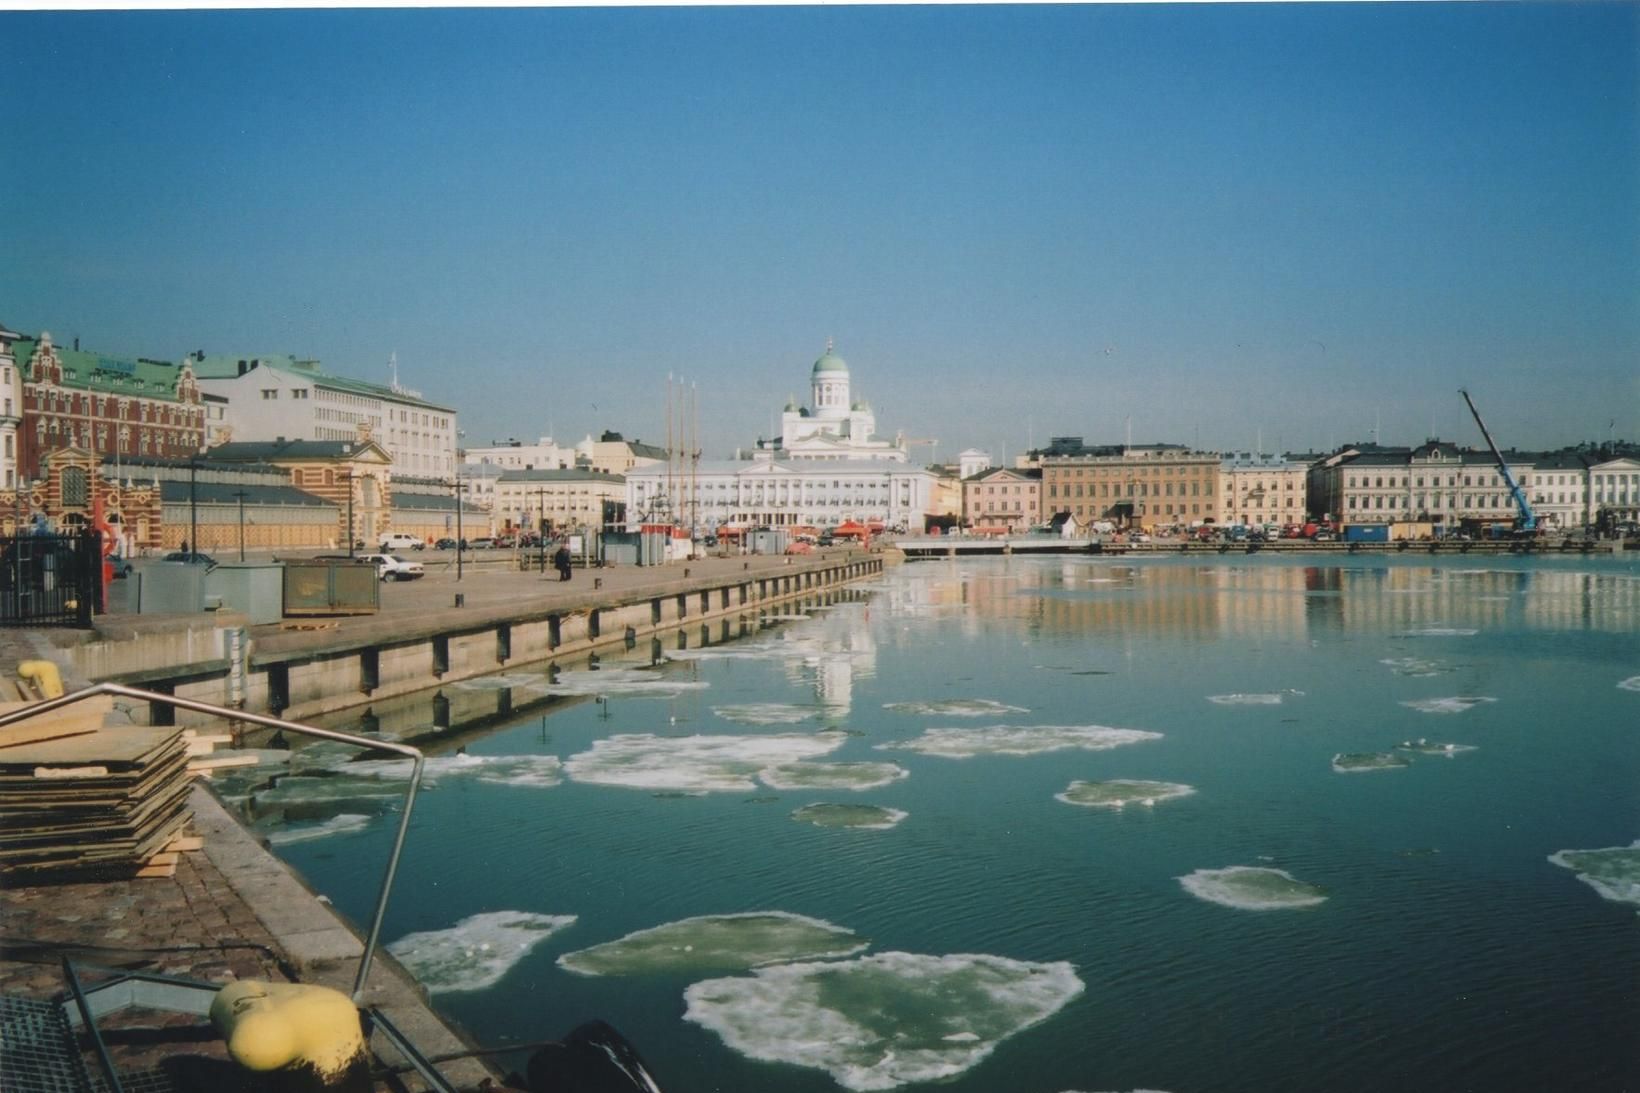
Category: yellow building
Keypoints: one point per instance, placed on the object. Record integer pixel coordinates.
(1149, 486)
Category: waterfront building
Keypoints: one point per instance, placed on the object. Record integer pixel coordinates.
(110, 406)
(1438, 483)
(764, 492)
(515, 455)
(1259, 489)
(1143, 486)
(352, 475)
(1002, 500)
(284, 398)
(214, 506)
(835, 427)
(11, 407)
(1614, 488)
(972, 461)
(612, 453)
(558, 499)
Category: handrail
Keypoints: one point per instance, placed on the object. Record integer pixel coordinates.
(231, 714)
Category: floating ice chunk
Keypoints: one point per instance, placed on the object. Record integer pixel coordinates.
(1246, 699)
(1122, 792)
(1421, 746)
(956, 707)
(1252, 888)
(1453, 704)
(1415, 666)
(1442, 632)
(1362, 762)
(694, 763)
(501, 681)
(713, 944)
(1630, 684)
(965, 743)
(832, 775)
(477, 951)
(345, 823)
(882, 1021)
(870, 817)
(1614, 871)
(765, 713)
(498, 770)
(618, 681)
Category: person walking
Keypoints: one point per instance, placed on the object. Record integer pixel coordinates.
(560, 561)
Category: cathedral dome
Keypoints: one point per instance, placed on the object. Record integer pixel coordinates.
(831, 362)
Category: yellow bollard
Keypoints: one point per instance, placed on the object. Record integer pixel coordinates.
(293, 1027)
(44, 675)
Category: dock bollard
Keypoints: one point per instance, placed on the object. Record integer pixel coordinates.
(686, 571)
(461, 599)
(597, 583)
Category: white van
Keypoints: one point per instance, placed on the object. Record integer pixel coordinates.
(399, 541)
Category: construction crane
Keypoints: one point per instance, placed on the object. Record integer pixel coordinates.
(1527, 520)
(932, 442)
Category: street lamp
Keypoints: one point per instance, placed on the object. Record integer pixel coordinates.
(241, 495)
(348, 478)
(460, 541)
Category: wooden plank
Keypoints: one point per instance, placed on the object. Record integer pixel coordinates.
(123, 744)
(82, 717)
(219, 761)
(184, 843)
(157, 872)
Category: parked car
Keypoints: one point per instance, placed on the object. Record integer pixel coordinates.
(398, 540)
(483, 542)
(391, 565)
(191, 557)
(445, 544)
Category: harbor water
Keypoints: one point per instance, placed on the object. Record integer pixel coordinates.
(1032, 825)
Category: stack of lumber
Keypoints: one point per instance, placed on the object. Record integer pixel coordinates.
(99, 800)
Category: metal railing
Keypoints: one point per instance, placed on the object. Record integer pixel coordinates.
(121, 690)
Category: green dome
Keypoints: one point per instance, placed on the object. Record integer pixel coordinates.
(831, 362)
(861, 405)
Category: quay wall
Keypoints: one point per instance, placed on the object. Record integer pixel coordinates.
(305, 674)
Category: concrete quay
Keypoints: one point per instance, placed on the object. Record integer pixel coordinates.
(441, 629)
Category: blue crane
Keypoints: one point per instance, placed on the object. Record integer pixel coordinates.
(1527, 521)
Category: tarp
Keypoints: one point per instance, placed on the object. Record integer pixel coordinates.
(851, 529)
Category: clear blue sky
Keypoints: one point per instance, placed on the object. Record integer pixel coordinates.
(1016, 222)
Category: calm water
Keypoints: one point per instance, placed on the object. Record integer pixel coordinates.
(1449, 952)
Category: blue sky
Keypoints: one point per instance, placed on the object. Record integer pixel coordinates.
(1223, 222)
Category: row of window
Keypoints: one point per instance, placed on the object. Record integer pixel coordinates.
(1132, 489)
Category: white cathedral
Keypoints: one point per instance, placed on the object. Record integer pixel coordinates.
(825, 468)
(836, 427)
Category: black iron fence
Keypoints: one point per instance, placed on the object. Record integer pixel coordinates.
(50, 580)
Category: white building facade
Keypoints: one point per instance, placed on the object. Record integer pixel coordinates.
(836, 427)
(273, 397)
(1258, 489)
(11, 407)
(769, 493)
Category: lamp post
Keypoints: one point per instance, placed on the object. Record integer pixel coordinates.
(348, 477)
(460, 541)
(193, 513)
(241, 495)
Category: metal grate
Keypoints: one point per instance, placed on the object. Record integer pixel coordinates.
(37, 1050)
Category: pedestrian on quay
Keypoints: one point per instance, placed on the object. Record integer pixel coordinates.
(560, 561)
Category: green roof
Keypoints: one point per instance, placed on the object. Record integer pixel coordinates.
(831, 362)
(219, 367)
(89, 371)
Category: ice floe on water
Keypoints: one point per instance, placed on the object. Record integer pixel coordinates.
(714, 944)
(1246, 699)
(1442, 632)
(965, 743)
(1122, 792)
(868, 817)
(882, 1021)
(1363, 762)
(1630, 684)
(500, 682)
(618, 681)
(1416, 667)
(956, 707)
(345, 823)
(1614, 871)
(699, 764)
(477, 951)
(832, 775)
(1452, 704)
(1252, 888)
(497, 770)
(765, 713)
(1422, 746)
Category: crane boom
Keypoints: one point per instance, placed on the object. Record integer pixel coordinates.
(1528, 519)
